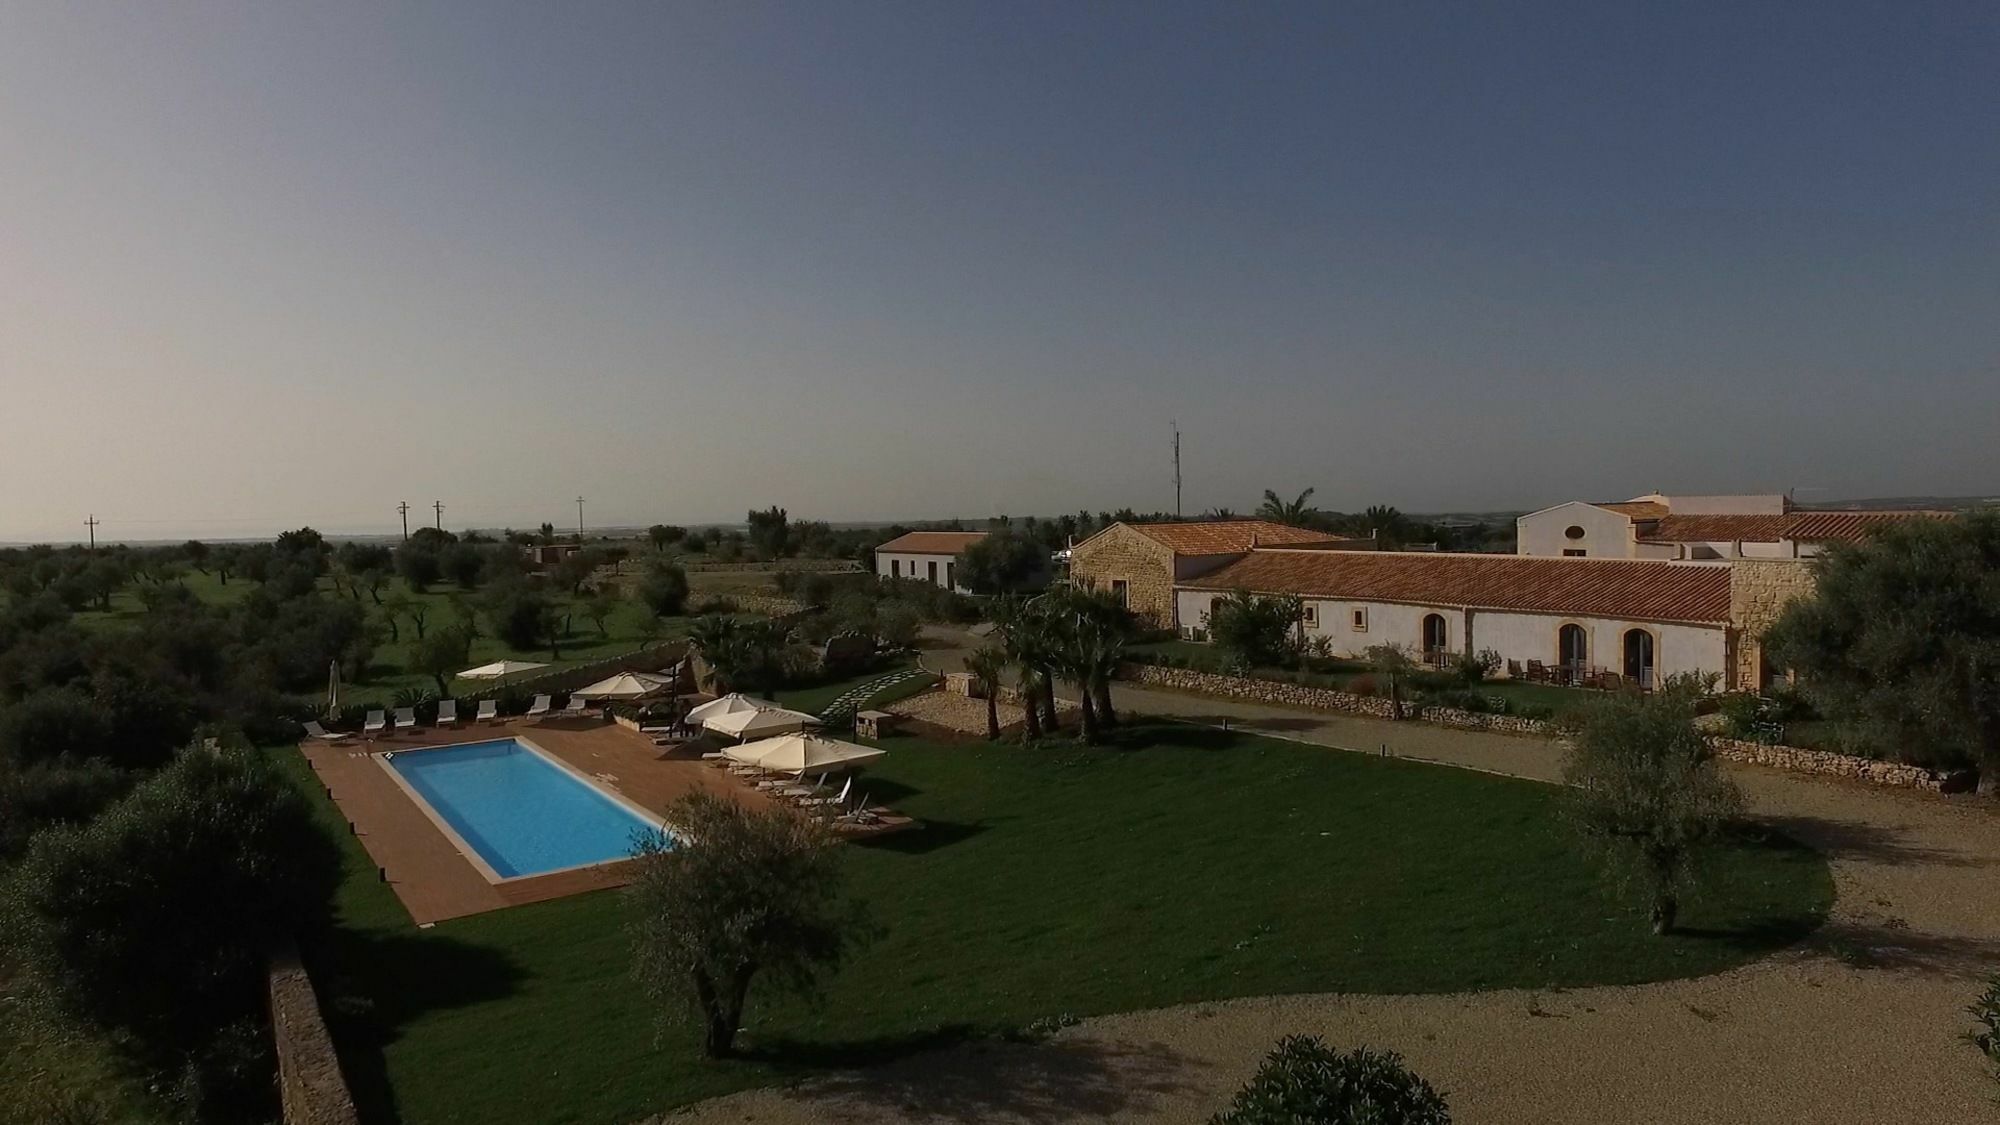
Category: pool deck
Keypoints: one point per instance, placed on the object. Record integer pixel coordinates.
(433, 880)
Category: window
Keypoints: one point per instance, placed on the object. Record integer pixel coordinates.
(947, 573)
(1575, 552)
(1122, 590)
(1573, 650)
(1573, 531)
(933, 572)
(1310, 615)
(895, 568)
(1361, 619)
(1639, 658)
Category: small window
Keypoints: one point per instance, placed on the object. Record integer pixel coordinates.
(1361, 619)
(1121, 590)
(1575, 553)
(1573, 531)
(1310, 615)
(933, 572)
(895, 568)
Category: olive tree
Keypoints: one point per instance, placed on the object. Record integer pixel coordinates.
(740, 895)
(1305, 1082)
(1644, 785)
(1901, 638)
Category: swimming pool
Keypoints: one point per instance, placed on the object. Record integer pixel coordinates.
(517, 811)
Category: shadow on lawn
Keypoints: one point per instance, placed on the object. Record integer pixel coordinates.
(933, 835)
(373, 983)
(982, 1080)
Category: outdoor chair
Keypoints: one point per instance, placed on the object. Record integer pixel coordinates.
(377, 721)
(539, 707)
(447, 712)
(1514, 670)
(577, 705)
(406, 718)
(1538, 672)
(489, 710)
(314, 730)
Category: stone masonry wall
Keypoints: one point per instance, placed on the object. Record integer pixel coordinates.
(1759, 590)
(310, 1086)
(1123, 554)
(1282, 694)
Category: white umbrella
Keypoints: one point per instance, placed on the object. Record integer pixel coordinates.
(729, 704)
(757, 724)
(499, 670)
(803, 753)
(625, 685)
(333, 689)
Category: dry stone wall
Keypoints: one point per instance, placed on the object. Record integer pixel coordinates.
(310, 1087)
(1281, 694)
(1759, 590)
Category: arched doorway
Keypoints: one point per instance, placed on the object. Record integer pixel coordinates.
(1639, 658)
(1436, 642)
(1572, 653)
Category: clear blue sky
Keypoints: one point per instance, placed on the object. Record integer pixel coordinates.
(262, 264)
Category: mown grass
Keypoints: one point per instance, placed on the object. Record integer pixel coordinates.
(1181, 864)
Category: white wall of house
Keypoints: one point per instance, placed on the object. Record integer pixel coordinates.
(939, 570)
(1515, 636)
(1602, 534)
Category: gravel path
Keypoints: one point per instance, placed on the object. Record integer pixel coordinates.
(1861, 1024)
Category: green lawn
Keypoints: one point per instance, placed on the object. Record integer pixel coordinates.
(1185, 864)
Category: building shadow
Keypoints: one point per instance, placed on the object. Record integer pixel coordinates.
(997, 1080)
(371, 984)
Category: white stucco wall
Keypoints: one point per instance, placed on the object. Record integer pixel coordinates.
(918, 566)
(1606, 534)
(1515, 636)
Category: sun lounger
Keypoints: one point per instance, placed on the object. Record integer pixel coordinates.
(447, 712)
(377, 721)
(577, 705)
(314, 730)
(839, 800)
(539, 707)
(406, 718)
(489, 711)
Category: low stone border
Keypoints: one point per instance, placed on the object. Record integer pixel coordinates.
(1279, 693)
(310, 1086)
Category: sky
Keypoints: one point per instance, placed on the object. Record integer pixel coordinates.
(267, 264)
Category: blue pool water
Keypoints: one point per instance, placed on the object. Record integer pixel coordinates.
(521, 812)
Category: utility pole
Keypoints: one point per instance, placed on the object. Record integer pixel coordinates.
(579, 519)
(439, 506)
(404, 510)
(91, 523)
(1177, 468)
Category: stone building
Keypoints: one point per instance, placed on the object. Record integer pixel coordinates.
(1695, 527)
(1141, 562)
(1582, 619)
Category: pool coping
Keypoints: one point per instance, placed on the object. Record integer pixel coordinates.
(471, 854)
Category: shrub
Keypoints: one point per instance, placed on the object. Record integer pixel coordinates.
(1304, 1082)
(1986, 1013)
(1254, 631)
(896, 624)
(665, 589)
(1363, 685)
(714, 604)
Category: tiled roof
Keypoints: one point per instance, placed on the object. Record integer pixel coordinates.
(1806, 526)
(1637, 509)
(1629, 589)
(932, 542)
(1226, 537)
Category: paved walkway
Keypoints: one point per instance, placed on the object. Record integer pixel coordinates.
(1860, 1024)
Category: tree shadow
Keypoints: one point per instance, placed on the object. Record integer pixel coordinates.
(372, 984)
(992, 1079)
(1871, 842)
(1891, 944)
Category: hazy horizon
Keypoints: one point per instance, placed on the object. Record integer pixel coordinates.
(268, 265)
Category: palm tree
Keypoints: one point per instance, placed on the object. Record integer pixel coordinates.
(1296, 513)
(1388, 523)
(988, 667)
(1219, 514)
(1024, 639)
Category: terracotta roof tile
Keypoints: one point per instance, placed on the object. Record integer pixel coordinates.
(1805, 526)
(1637, 509)
(1630, 589)
(932, 542)
(1227, 537)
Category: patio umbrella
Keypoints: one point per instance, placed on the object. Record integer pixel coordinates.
(499, 670)
(803, 753)
(759, 724)
(625, 685)
(729, 704)
(332, 689)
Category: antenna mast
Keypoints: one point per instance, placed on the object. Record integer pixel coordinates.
(1177, 468)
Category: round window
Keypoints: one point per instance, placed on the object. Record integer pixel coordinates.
(1573, 532)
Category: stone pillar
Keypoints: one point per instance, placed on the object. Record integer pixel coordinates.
(1759, 590)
